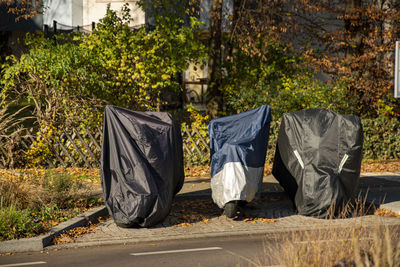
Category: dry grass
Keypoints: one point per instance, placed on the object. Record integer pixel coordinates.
(33, 201)
(34, 189)
(356, 246)
(21, 192)
(351, 209)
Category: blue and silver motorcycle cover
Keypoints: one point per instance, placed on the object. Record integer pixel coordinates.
(318, 159)
(238, 146)
(141, 165)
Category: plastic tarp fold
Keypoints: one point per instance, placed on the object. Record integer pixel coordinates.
(238, 147)
(141, 165)
(318, 159)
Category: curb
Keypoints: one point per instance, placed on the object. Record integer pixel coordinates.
(393, 227)
(40, 242)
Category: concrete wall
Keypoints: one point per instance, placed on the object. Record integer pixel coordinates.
(77, 12)
(62, 12)
(74, 13)
(94, 10)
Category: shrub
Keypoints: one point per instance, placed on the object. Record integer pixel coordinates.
(55, 79)
(279, 79)
(136, 66)
(16, 223)
(70, 78)
(67, 80)
(273, 138)
(381, 137)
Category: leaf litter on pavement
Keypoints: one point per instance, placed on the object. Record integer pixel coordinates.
(386, 213)
(69, 236)
(186, 213)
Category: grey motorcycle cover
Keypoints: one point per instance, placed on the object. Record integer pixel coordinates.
(318, 159)
(141, 165)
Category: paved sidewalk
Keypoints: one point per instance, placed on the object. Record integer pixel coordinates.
(195, 216)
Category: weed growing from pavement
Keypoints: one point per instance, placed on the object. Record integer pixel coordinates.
(353, 208)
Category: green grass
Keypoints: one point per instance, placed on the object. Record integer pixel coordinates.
(15, 223)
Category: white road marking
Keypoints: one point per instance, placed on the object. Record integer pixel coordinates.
(174, 251)
(23, 264)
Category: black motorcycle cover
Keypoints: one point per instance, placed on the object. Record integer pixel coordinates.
(141, 165)
(318, 159)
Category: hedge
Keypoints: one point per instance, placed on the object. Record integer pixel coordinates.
(381, 138)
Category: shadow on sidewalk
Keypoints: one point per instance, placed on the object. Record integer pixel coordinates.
(379, 189)
(197, 206)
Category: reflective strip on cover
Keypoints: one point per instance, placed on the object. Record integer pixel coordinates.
(344, 159)
(296, 153)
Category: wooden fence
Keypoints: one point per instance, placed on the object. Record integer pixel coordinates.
(194, 142)
(74, 148)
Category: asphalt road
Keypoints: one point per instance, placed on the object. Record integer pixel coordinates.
(224, 251)
(238, 251)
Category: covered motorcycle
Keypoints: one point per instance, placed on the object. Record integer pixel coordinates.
(141, 165)
(318, 159)
(238, 147)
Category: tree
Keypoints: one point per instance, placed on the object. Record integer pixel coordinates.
(248, 32)
(361, 50)
(214, 94)
(23, 9)
(351, 41)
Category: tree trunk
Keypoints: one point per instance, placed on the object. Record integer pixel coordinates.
(214, 94)
(354, 27)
